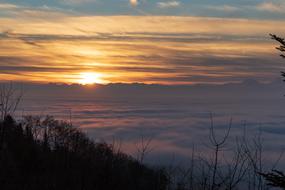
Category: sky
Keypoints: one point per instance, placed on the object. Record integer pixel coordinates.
(140, 41)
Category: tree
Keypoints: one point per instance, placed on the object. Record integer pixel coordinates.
(280, 48)
(276, 178)
(45, 153)
(9, 99)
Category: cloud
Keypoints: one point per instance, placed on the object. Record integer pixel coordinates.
(183, 120)
(78, 1)
(32, 13)
(224, 8)
(221, 50)
(168, 4)
(7, 6)
(134, 2)
(271, 7)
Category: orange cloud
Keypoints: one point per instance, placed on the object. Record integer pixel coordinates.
(168, 50)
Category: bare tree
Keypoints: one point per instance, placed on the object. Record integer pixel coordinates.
(217, 144)
(254, 151)
(9, 101)
(237, 167)
(10, 98)
(143, 148)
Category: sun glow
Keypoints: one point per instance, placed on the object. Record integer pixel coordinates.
(90, 78)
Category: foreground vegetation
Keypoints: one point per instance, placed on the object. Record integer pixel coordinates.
(44, 153)
(49, 154)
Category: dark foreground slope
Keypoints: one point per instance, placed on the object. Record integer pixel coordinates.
(49, 154)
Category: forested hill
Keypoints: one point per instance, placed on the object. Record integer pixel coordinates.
(49, 155)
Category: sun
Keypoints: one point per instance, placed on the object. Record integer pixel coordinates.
(90, 78)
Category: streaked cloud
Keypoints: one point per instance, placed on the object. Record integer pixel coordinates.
(49, 44)
(168, 4)
(271, 7)
(78, 1)
(93, 25)
(225, 8)
(241, 9)
(14, 12)
(167, 50)
(7, 6)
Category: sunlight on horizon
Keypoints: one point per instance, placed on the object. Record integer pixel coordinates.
(167, 50)
(89, 78)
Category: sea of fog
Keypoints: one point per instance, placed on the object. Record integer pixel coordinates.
(176, 118)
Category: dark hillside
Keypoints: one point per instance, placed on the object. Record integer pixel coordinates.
(49, 154)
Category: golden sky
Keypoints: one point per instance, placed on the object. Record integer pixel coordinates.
(54, 46)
